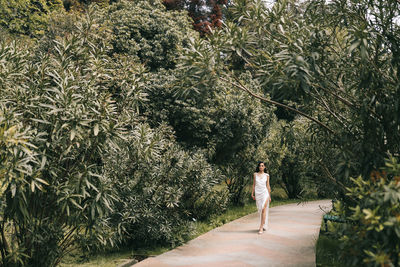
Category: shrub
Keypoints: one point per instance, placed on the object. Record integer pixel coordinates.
(225, 123)
(28, 17)
(145, 29)
(61, 193)
(160, 187)
(372, 236)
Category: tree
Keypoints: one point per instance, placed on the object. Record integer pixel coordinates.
(206, 15)
(227, 124)
(292, 160)
(148, 32)
(339, 72)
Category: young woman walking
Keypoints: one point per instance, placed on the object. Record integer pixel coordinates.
(261, 193)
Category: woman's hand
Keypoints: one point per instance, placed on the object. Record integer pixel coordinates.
(252, 195)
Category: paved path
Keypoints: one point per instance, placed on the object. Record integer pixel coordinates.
(290, 241)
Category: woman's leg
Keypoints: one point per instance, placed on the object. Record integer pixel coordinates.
(263, 213)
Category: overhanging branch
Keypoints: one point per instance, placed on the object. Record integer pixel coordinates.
(244, 88)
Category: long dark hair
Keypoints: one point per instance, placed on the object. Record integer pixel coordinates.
(258, 167)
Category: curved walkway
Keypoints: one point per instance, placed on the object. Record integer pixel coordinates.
(290, 241)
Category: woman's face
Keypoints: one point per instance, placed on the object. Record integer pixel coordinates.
(261, 167)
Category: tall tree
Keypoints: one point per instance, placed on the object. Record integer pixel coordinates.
(206, 14)
(335, 63)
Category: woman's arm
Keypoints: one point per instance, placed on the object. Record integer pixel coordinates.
(269, 188)
(254, 185)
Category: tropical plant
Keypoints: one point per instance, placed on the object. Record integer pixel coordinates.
(371, 237)
(80, 167)
(161, 188)
(226, 123)
(72, 118)
(292, 159)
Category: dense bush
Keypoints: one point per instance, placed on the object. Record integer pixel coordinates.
(372, 235)
(79, 164)
(145, 29)
(338, 72)
(61, 98)
(211, 113)
(160, 187)
(28, 17)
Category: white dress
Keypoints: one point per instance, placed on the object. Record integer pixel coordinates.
(262, 195)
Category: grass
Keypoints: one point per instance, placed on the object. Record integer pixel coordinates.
(113, 259)
(327, 247)
(327, 252)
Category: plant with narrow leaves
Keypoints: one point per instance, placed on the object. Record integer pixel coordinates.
(339, 72)
(160, 187)
(64, 100)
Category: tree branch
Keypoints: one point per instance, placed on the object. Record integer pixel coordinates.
(330, 176)
(320, 100)
(343, 100)
(244, 88)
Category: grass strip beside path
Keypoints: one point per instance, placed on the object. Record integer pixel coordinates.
(327, 248)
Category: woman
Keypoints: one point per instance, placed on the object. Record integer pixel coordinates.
(261, 194)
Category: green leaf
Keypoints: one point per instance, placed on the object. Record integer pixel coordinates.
(33, 186)
(96, 130)
(354, 45)
(42, 181)
(72, 135)
(43, 162)
(75, 203)
(13, 189)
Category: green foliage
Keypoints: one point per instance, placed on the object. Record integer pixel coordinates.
(340, 72)
(213, 114)
(146, 30)
(326, 251)
(290, 158)
(17, 158)
(121, 126)
(160, 187)
(28, 17)
(70, 5)
(80, 165)
(66, 195)
(372, 237)
(226, 123)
